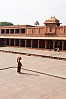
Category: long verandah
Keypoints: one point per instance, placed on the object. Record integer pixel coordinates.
(34, 43)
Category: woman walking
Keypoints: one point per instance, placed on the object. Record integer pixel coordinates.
(19, 64)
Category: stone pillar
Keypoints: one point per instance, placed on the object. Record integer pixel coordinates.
(25, 43)
(45, 44)
(14, 42)
(9, 42)
(31, 43)
(53, 44)
(62, 45)
(38, 44)
(19, 43)
(5, 42)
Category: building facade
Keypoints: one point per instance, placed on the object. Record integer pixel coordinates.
(41, 37)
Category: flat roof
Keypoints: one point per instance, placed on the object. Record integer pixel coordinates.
(16, 26)
(42, 38)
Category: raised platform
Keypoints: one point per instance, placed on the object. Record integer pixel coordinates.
(41, 53)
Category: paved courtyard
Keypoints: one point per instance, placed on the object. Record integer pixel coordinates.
(35, 51)
(28, 84)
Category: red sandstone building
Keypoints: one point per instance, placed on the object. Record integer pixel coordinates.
(45, 37)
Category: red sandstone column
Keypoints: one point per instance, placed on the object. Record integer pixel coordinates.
(31, 43)
(45, 44)
(53, 44)
(25, 43)
(9, 42)
(38, 44)
(62, 45)
(19, 43)
(5, 42)
(14, 42)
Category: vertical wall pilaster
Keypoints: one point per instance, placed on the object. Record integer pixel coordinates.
(55, 30)
(9, 31)
(38, 30)
(14, 31)
(63, 29)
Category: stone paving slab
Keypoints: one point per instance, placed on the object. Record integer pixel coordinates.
(49, 66)
(37, 52)
(29, 85)
(44, 65)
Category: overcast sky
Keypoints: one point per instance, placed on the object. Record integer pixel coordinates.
(28, 11)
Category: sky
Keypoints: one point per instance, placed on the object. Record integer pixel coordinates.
(26, 12)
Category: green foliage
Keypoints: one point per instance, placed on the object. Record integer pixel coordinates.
(6, 23)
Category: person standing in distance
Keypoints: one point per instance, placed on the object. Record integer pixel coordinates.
(19, 64)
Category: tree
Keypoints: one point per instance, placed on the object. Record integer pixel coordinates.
(6, 23)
